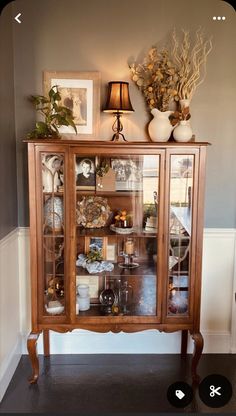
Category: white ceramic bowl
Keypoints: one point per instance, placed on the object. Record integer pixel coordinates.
(56, 310)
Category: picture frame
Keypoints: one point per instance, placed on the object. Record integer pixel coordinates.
(85, 173)
(128, 174)
(111, 252)
(98, 242)
(80, 91)
(95, 284)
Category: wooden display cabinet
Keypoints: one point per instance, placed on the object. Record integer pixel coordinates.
(153, 255)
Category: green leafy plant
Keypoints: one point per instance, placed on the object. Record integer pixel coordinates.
(94, 255)
(55, 115)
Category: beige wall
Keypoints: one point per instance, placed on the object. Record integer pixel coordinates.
(104, 35)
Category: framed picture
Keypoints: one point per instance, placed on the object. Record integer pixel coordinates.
(95, 286)
(128, 174)
(80, 91)
(96, 243)
(111, 252)
(85, 173)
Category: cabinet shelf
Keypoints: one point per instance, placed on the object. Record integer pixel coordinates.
(106, 232)
(55, 235)
(109, 193)
(143, 270)
(95, 310)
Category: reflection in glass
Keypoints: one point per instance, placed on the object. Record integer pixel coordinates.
(181, 182)
(128, 237)
(53, 232)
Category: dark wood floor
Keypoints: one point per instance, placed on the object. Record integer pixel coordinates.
(111, 383)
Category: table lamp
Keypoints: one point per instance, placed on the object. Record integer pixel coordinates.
(118, 102)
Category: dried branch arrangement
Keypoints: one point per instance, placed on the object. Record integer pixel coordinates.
(190, 60)
(156, 77)
(165, 76)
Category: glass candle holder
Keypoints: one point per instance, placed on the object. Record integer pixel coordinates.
(128, 252)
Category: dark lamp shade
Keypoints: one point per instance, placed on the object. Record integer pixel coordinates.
(118, 98)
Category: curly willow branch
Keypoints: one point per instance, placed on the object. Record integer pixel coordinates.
(191, 64)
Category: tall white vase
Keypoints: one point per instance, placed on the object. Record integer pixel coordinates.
(160, 128)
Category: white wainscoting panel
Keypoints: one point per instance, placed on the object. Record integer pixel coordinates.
(10, 334)
(217, 282)
(233, 321)
(218, 329)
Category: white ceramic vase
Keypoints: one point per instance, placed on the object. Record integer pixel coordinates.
(53, 213)
(160, 128)
(183, 132)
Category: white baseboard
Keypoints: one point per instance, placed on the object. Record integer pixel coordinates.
(216, 342)
(8, 366)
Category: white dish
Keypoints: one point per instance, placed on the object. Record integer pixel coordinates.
(56, 310)
(119, 230)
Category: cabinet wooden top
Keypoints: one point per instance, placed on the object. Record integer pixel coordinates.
(106, 143)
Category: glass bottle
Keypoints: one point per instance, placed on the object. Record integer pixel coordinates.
(126, 295)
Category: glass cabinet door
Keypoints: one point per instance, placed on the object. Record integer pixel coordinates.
(117, 207)
(53, 235)
(180, 232)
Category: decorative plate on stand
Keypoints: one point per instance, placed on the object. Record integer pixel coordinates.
(93, 212)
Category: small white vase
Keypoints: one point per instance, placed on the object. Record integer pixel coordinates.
(160, 128)
(183, 132)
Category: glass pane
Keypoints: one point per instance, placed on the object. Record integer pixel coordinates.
(53, 233)
(181, 183)
(116, 229)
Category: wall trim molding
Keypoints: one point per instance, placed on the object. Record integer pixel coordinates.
(23, 231)
(215, 232)
(8, 238)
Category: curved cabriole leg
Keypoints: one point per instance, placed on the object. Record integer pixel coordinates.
(32, 350)
(198, 347)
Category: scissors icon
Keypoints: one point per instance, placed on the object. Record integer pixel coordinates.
(214, 391)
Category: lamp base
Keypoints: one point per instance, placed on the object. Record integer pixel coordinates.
(116, 137)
